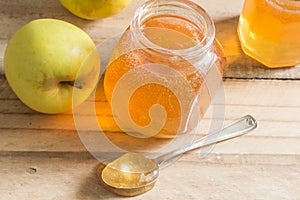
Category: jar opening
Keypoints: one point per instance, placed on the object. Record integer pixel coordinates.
(174, 27)
(292, 6)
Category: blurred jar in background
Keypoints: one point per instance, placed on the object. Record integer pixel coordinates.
(269, 31)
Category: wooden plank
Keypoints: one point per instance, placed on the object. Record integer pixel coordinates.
(276, 110)
(269, 117)
(17, 13)
(11, 107)
(23, 121)
(261, 145)
(72, 176)
(274, 93)
(221, 10)
(3, 44)
(42, 140)
(5, 90)
(16, 140)
(237, 92)
(240, 158)
(229, 182)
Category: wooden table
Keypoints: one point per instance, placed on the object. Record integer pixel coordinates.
(42, 157)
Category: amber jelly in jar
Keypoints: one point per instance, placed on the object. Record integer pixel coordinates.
(164, 70)
(269, 31)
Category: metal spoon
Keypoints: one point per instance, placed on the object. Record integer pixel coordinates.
(133, 174)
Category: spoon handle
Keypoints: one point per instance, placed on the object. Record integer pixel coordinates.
(240, 127)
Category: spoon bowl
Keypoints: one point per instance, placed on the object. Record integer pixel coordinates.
(125, 191)
(133, 174)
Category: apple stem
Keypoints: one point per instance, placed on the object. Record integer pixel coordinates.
(71, 83)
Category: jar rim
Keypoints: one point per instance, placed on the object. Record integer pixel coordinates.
(192, 8)
(287, 5)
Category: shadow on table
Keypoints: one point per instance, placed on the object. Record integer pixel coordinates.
(90, 188)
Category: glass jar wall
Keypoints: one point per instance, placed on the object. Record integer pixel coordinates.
(165, 69)
(269, 31)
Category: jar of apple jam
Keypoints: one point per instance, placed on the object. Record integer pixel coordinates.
(164, 70)
(269, 31)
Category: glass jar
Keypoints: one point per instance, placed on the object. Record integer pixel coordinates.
(269, 31)
(164, 70)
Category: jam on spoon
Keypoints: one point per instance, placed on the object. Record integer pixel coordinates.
(133, 174)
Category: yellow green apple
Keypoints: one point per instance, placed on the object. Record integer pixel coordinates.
(95, 9)
(42, 62)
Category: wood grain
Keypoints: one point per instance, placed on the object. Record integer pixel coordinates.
(266, 157)
(43, 157)
(72, 176)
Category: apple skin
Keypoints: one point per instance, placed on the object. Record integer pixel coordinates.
(43, 64)
(94, 9)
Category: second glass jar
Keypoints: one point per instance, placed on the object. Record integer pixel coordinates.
(269, 31)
